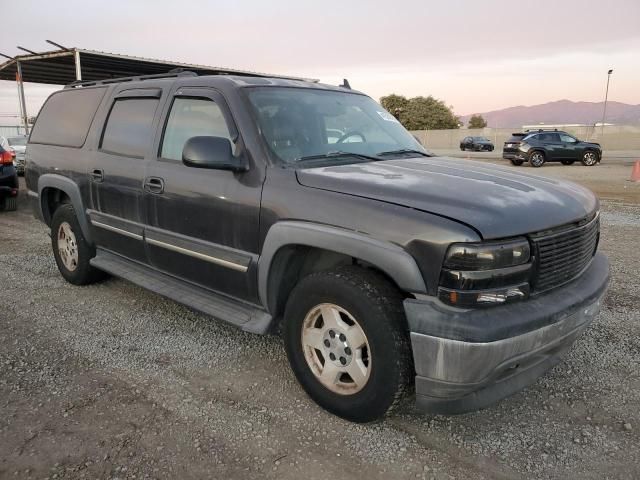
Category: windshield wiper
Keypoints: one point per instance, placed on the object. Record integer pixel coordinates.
(336, 154)
(403, 150)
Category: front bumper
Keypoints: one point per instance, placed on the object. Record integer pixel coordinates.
(468, 359)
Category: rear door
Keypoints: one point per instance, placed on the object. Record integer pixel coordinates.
(552, 144)
(202, 224)
(117, 171)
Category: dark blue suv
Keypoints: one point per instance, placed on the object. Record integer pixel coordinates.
(550, 146)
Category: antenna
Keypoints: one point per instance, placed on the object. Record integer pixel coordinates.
(345, 84)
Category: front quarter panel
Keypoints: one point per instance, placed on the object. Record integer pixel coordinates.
(425, 237)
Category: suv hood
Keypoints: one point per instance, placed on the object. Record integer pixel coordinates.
(496, 201)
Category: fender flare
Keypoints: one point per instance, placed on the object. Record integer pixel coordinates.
(68, 186)
(388, 257)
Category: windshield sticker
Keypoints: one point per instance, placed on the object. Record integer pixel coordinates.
(387, 116)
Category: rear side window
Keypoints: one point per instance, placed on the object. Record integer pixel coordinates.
(129, 127)
(191, 117)
(66, 116)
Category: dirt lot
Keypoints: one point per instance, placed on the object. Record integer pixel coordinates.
(111, 381)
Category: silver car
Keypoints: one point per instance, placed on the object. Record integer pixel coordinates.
(18, 144)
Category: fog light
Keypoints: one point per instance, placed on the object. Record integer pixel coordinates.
(486, 298)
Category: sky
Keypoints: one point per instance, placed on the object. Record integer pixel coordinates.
(476, 56)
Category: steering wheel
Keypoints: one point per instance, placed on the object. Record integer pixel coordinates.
(353, 133)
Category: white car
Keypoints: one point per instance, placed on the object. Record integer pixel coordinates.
(19, 145)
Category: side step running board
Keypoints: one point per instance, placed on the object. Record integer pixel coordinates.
(248, 317)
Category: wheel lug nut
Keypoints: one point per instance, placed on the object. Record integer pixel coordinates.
(347, 351)
(342, 337)
(327, 343)
(332, 334)
(343, 360)
(332, 356)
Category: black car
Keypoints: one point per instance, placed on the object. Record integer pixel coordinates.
(550, 146)
(8, 181)
(382, 266)
(477, 144)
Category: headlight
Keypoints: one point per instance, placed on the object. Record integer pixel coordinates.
(487, 256)
(484, 274)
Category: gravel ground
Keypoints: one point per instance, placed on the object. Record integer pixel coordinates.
(111, 381)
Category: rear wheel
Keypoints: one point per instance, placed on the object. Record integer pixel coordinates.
(516, 162)
(589, 158)
(536, 159)
(568, 162)
(347, 342)
(70, 248)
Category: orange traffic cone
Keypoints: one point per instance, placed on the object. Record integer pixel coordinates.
(635, 173)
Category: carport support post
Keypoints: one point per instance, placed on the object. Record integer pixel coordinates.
(23, 104)
(76, 57)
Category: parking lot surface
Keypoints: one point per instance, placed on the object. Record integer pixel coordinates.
(111, 381)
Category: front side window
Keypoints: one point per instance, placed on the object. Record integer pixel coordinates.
(191, 117)
(567, 138)
(297, 123)
(129, 127)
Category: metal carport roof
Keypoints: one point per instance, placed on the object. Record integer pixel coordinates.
(58, 67)
(67, 65)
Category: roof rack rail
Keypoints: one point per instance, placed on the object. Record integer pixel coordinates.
(541, 130)
(176, 72)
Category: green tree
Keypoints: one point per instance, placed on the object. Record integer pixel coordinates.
(476, 121)
(395, 105)
(420, 113)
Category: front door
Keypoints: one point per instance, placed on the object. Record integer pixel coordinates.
(202, 224)
(117, 171)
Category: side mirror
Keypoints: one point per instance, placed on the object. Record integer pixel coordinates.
(211, 152)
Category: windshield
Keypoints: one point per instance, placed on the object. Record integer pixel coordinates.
(301, 123)
(17, 141)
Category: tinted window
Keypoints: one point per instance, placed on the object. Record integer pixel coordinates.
(129, 126)
(66, 116)
(567, 138)
(548, 137)
(191, 117)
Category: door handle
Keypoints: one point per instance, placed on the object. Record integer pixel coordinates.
(97, 175)
(154, 185)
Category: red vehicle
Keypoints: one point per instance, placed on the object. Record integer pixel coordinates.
(8, 180)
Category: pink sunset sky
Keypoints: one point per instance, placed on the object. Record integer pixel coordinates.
(476, 56)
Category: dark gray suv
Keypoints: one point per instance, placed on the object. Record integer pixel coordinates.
(307, 210)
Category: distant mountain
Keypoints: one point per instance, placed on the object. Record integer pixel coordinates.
(560, 112)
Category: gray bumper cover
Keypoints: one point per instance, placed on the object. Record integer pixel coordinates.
(460, 370)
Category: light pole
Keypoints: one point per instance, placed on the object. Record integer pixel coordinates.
(604, 111)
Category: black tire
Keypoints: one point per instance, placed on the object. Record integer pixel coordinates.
(83, 273)
(10, 204)
(568, 162)
(590, 158)
(537, 158)
(462, 148)
(517, 162)
(376, 305)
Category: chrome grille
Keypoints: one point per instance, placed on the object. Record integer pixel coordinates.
(561, 256)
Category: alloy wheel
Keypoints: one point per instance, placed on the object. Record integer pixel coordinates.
(67, 246)
(336, 349)
(589, 158)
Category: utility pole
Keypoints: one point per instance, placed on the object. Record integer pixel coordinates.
(606, 95)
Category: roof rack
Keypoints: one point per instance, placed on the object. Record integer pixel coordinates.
(542, 130)
(176, 72)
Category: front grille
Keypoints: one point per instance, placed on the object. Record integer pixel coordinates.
(561, 256)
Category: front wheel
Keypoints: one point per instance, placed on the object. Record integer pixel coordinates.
(347, 341)
(536, 159)
(589, 158)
